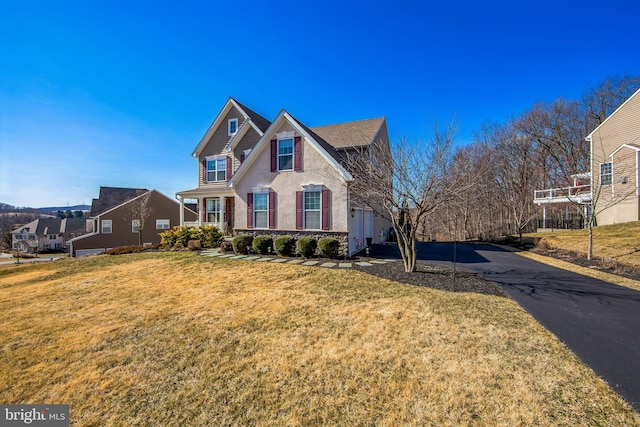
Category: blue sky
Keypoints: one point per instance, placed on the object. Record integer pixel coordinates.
(120, 93)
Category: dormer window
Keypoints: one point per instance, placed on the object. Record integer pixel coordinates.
(285, 154)
(232, 126)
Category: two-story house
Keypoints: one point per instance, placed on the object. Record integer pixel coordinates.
(127, 217)
(282, 177)
(38, 236)
(611, 189)
(615, 160)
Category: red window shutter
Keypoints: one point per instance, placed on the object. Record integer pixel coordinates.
(272, 209)
(204, 171)
(249, 210)
(326, 209)
(299, 205)
(274, 155)
(227, 210)
(204, 210)
(297, 153)
(229, 167)
(242, 157)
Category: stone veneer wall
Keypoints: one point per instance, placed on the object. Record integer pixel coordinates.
(341, 237)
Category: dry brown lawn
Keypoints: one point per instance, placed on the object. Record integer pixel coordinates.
(175, 340)
(619, 242)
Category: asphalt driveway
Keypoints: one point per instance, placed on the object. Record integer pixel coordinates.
(598, 321)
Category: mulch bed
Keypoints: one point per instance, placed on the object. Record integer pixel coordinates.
(434, 276)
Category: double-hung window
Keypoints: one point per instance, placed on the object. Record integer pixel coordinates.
(106, 226)
(312, 212)
(606, 173)
(213, 210)
(217, 169)
(163, 224)
(135, 225)
(285, 154)
(261, 210)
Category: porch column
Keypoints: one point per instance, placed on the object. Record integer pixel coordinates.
(181, 209)
(201, 211)
(221, 216)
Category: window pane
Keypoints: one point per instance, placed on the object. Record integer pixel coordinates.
(285, 146)
(312, 200)
(221, 175)
(312, 220)
(285, 162)
(211, 165)
(606, 173)
(261, 219)
(260, 201)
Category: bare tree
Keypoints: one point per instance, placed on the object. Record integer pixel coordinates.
(602, 100)
(138, 211)
(405, 183)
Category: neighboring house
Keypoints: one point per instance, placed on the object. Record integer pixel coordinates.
(615, 159)
(612, 185)
(127, 216)
(281, 177)
(39, 235)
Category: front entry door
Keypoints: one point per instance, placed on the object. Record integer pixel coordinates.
(229, 208)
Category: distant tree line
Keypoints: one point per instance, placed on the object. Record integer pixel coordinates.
(499, 171)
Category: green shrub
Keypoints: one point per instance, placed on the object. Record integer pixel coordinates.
(179, 236)
(262, 244)
(306, 246)
(329, 247)
(284, 245)
(210, 236)
(242, 243)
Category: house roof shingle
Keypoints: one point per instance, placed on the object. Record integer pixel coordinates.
(111, 197)
(257, 119)
(350, 134)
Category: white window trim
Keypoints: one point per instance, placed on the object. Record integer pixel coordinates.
(229, 126)
(135, 225)
(103, 223)
(215, 159)
(293, 152)
(161, 222)
(311, 189)
(611, 174)
(255, 211)
(215, 202)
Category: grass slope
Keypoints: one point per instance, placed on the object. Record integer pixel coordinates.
(620, 242)
(175, 339)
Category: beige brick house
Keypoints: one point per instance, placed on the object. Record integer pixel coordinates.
(281, 177)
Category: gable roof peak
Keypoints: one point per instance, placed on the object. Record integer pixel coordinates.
(259, 123)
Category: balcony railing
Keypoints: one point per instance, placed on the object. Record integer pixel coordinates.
(575, 194)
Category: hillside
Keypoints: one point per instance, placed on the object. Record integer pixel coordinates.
(618, 243)
(178, 339)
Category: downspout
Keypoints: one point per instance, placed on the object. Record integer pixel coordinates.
(349, 225)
